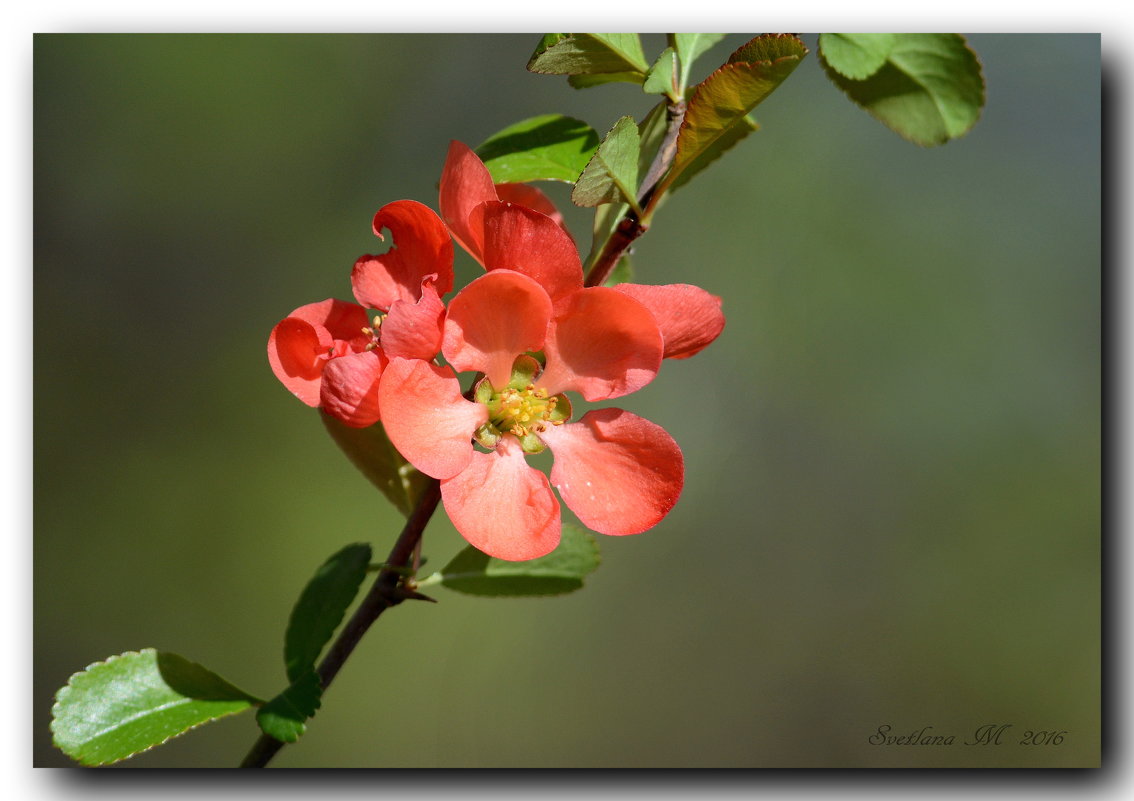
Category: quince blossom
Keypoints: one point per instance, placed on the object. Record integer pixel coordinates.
(329, 354)
(619, 473)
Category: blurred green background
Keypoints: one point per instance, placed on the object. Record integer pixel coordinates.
(891, 513)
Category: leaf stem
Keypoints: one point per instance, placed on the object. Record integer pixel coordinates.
(636, 221)
(387, 591)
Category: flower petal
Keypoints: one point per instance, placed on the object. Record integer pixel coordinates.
(531, 197)
(413, 330)
(517, 238)
(465, 184)
(350, 388)
(603, 344)
(688, 316)
(421, 247)
(618, 472)
(298, 351)
(503, 506)
(492, 321)
(426, 418)
(344, 320)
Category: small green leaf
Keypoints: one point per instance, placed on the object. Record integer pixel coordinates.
(321, 607)
(588, 53)
(582, 81)
(612, 173)
(662, 77)
(370, 450)
(651, 131)
(285, 716)
(856, 55)
(690, 46)
(721, 101)
(930, 89)
(561, 571)
(136, 700)
(550, 147)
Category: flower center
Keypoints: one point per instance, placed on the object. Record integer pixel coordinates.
(522, 411)
(520, 408)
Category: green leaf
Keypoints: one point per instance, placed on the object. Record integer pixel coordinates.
(856, 55)
(690, 46)
(370, 450)
(662, 77)
(930, 89)
(582, 81)
(721, 101)
(285, 716)
(588, 53)
(134, 701)
(739, 129)
(612, 173)
(561, 571)
(651, 131)
(321, 607)
(550, 147)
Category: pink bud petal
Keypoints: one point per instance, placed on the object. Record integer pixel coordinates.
(344, 320)
(350, 388)
(426, 418)
(618, 472)
(688, 316)
(603, 344)
(492, 321)
(503, 506)
(297, 352)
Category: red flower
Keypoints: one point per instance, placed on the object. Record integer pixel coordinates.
(689, 317)
(328, 354)
(618, 472)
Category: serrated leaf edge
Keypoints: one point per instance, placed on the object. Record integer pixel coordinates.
(727, 67)
(629, 194)
(66, 689)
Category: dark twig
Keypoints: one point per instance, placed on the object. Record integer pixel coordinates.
(388, 590)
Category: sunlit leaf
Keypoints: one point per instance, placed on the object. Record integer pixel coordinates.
(136, 700)
(930, 89)
(662, 77)
(651, 131)
(612, 173)
(561, 571)
(690, 46)
(721, 101)
(588, 53)
(370, 450)
(856, 55)
(321, 607)
(550, 147)
(285, 716)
